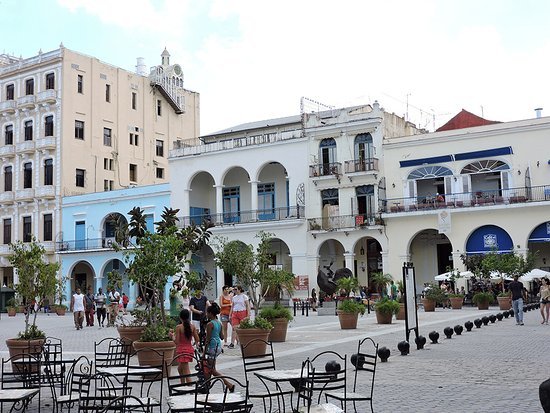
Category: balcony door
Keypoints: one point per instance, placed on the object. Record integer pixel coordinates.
(364, 152)
(365, 201)
(231, 204)
(327, 155)
(80, 235)
(266, 201)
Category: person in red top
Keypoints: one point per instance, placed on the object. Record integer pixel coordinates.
(185, 335)
(225, 306)
(125, 301)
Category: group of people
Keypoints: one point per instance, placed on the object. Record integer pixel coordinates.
(106, 306)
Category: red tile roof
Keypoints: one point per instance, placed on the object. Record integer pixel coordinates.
(465, 119)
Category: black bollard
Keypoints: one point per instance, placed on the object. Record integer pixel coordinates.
(403, 347)
(469, 325)
(458, 329)
(448, 331)
(544, 395)
(434, 336)
(420, 341)
(384, 354)
(485, 320)
(478, 323)
(492, 318)
(499, 316)
(294, 307)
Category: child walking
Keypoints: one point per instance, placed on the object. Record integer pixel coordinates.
(186, 334)
(213, 342)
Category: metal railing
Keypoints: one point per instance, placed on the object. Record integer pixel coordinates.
(83, 244)
(361, 165)
(325, 169)
(481, 198)
(342, 222)
(245, 217)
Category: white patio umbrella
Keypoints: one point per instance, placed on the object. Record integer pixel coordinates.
(534, 273)
(495, 276)
(446, 275)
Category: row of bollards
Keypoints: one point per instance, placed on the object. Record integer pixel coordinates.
(420, 341)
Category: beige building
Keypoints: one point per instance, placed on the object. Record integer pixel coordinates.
(70, 125)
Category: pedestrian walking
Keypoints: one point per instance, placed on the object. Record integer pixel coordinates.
(114, 299)
(78, 306)
(544, 300)
(90, 307)
(225, 309)
(100, 301)
(240, 310)
(125, 301)
(517, 290)
(197, 306)
(186, 334)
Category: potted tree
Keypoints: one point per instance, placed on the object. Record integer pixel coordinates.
(457, 300)
(349, 309)
(250, 330)
(36, 279)
(401, 300)
(504, 299)
(277, 281)
(279, 317)
(433, 295)
(385, 309)
(380, 282)
(60, 308)
(11, 306)
(482, 299)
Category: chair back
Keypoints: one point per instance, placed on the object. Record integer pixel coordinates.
(22, 371)
(148, 379)
(52, 354)
(110, 352)
(367, 352)
(126, 403)
(260, 362)
(219, 398)
(318, 376)
(182, 383)
(98, 390)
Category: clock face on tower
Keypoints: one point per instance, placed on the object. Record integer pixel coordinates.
(177, 70)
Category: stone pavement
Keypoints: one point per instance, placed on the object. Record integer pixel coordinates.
(496, 368)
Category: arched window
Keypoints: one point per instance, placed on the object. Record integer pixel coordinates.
(365, 200)
(327, 155)
(427, 172)
(486, 165)
(329, 197)
(363, 147)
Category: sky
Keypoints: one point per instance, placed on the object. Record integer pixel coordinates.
(252, 60)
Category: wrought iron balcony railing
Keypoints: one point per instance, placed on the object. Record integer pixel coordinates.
(343, 222)
(325, 169)
(361, 165)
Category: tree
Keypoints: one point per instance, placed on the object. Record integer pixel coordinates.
(511, 264)
(37, 279)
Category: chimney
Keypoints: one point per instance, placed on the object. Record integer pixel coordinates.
(141, 69)
(538, 111)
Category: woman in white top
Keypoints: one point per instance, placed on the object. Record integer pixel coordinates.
(240, 310)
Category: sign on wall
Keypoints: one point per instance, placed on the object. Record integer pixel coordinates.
(301, 283)
(444, 222)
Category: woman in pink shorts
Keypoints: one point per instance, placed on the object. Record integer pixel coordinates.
(240, 310)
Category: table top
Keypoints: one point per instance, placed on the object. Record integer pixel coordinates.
(218, 397)
(121, 370)
(280, 375)
(12, 395)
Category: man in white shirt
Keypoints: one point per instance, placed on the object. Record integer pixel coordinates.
(78, 306)
(114, 298)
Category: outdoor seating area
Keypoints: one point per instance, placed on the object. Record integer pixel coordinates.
(115, 381)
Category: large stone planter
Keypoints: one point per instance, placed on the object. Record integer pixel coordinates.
(150, 353)
(504, 303)
(12, 311)
(383, 318)
(456, 302)
(401, 314)
(129, 334)
(18, 347)
(348, 321)
(60, 311)
(483, 305)
(246, 335)
(429, 305)
(280, 327)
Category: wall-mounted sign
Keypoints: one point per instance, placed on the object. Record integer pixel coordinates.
(301, 283)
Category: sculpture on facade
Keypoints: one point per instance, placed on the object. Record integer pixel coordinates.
(327, 282)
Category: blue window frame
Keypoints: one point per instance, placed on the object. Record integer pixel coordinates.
(80, 235)
(150, 222)
(266, 201)
(231, 204)
(198, 215)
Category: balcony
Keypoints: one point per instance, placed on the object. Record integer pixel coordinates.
(8, 106)
(361, 165)
(325, 169)
(46, 191)
(7, 151)
(245, 217)
(82, 245)
(28, 101)
(49, 246)
(46, 143)
(5, 250)
(475, 199)
(25, 194)
(25, 146)
(47, 96)
(343, 222)
(7, 197)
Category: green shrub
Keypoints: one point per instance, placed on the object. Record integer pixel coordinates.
(505, 294)
(351, 307)
(277, 311)
(456, 295)
(387, 306)
(259, 322)
(32, 333)
(435, 293)
(155, 332)
(482, 298)
(12, 302)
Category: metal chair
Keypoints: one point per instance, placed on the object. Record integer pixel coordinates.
(69, 393)
(52, 355)
(365, 360)
(181, 387)
(110, 352)
(221, 398)
(20, 381)
(265, 361)
(148, 380)
(98, 390)
(125, 404)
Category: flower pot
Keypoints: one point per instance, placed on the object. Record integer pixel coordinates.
(429, 305)
(401, 314)
(278, 334)
(348, 321)
(246, 335)
(60, 310)
(456, 302)
(130, 334)
(157, 349)
(383, 318)
(504, 303)
(12, 311)
(18, 347)
(483, 305)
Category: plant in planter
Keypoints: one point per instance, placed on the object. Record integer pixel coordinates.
(11, 306)
(279, 317)
(380, 282)
(60, 308)
(401, 299)
(433, 295)
(482, 299)
(36, 278)
(504, 300)
(348, 313)
(457, 300)
(250, 330)
(385, 309)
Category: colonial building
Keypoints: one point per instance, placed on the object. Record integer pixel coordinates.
(73, 125)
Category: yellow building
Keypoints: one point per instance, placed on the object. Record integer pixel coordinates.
(70, 125)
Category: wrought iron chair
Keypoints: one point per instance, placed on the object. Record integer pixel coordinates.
(182, 387)
(147, 381)
(20, 381)
(365, 360)
(110, 352)
(127, 403)
(52, 354)
(69, 394)
(261, 363)
(222, 398)
(98, 390)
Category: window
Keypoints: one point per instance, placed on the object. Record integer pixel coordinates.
(106, 136)
(48, 227)
(134, 100)
(108, 185)
(28, 130)
(29, 87)
(133, 172)
(80, 173)
(107, 164)
(50, 81)
(27, 229)
(80, 84)
(159, 107)
(160, 148)
(79, 129)
(327, 156)
(329, 197)
(231, 204)
(7, 230)
(48, 126)
(10, 92)
(160, 173)
(107, 93)
(266, 201)
(8, 135)
(8, 179)
(134, 139)
(27, 175)
(48, 172)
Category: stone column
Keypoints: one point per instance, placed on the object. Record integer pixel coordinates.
(253, 200)
(219, 203)
(349, 257)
